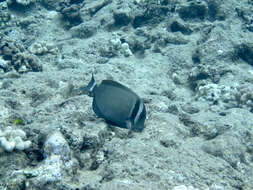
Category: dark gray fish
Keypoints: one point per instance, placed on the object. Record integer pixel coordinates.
(117, 104)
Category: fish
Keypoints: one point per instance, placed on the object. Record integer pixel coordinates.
(117, 104)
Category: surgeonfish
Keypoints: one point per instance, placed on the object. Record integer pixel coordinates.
(117, 104)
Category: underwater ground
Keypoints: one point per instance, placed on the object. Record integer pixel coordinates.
(190, 61)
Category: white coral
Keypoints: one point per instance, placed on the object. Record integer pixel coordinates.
(41, 48)
(215, 92)
(118, 46)
(183, 187)
(11, 139)
(126, 50)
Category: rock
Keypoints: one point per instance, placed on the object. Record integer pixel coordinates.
(84, 30)
(193, 10)
(122, 18)
(70, 11)
(57, 165)
(51, 4)
(57, 145)
(24, 3)
(245, 52)
(180, 27)
(226, 147)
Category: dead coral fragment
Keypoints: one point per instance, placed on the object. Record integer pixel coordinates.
(18, 58)
(5, 17)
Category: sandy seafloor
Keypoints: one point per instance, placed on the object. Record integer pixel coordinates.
(190, 61)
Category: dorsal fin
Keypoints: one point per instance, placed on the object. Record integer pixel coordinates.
(90, 87)
(91, 84)
(114, 83)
